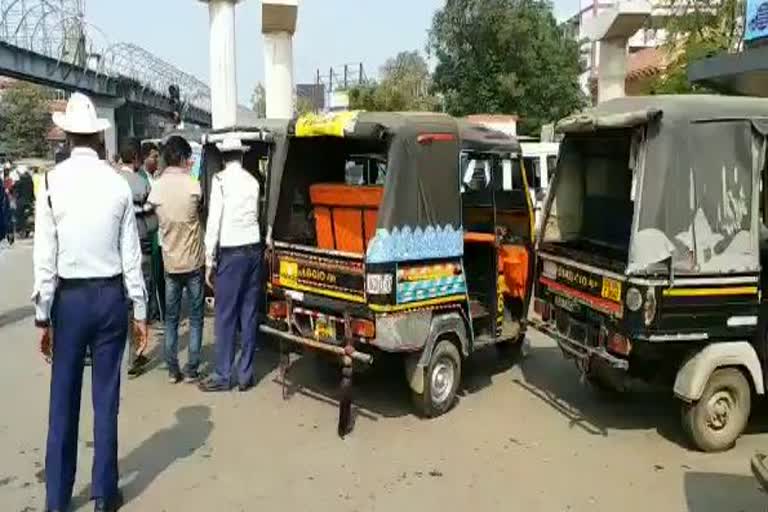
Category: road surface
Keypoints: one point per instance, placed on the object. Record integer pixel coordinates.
(526, 435)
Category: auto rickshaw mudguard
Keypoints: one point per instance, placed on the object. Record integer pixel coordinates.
(695, 372)
(451, 324)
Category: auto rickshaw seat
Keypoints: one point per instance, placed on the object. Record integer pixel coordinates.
(345, 215)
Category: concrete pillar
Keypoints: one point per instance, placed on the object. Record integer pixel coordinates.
(110, 136)
(105, 108)
(223, 63)
(278, 24)
(612, 29)
(612, 69)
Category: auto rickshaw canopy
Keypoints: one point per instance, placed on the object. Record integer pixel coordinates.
(696, 162)
(420, 215)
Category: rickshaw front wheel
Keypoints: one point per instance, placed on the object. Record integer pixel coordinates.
(719, 417)
(441, 380)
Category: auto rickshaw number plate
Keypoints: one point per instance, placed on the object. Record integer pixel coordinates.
(611, 289)
(289, 272)
(325, 330)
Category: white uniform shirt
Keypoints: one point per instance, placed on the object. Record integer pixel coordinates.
(88, 231)
(233, 216)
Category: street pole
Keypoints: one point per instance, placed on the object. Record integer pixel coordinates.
(223, 63)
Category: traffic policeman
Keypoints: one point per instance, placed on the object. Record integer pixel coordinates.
(87, 259)
(233, 252)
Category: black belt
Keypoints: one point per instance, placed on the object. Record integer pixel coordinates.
(239, 248)
(83, 282)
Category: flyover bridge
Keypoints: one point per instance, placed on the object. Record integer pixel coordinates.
(49, 42)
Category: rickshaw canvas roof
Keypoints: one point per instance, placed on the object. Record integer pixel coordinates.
(420, 213)
(638, 110)
(363, 125)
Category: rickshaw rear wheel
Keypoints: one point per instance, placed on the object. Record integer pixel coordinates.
(441, 381)
(719, 417)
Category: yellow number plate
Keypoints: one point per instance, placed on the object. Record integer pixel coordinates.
(289, 272)
(611, 289)
(325, 330)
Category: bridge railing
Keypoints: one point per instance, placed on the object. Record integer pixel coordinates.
(57, 29)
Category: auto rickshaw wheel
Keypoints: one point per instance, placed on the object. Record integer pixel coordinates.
(441, 380)
(719, 417)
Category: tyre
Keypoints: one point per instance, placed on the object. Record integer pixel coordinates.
(441, 381)
(719, 417)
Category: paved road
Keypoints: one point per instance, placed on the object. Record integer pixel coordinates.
(525, 436)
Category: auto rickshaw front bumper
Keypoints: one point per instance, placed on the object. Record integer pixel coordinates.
(577, 350)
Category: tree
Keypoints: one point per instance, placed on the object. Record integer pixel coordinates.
(404, 85)
(505, 56)
(696, 30)
(259, 100)
(25, 120)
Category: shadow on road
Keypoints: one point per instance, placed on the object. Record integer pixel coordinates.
(16, 315)
(556, 382)
(716, 492)
(156, 454)
(382, 391)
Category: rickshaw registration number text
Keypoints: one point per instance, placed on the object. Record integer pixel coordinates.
(611, 289)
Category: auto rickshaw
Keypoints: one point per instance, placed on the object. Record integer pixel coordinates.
(649, 263)
(403, 233)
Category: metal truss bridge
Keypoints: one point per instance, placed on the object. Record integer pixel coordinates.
(49, 42)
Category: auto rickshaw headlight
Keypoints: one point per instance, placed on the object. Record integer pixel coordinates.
(650, 306)
(634, 299)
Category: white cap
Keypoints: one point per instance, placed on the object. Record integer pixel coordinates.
(231, 144)
(80, 116)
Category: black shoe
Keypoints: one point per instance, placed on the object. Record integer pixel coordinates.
(174, 377)
(109, 505)
(138, 367)
(212, 385)
(191, 376)
(246, 386)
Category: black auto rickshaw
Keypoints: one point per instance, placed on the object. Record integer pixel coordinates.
(402, 233)
(649, 263)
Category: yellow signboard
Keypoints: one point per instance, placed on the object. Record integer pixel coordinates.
(326, 125)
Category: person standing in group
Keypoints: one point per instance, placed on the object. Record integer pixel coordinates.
(178, 198)
(234, 252)
(146, 223)
(87, 258)
(24, 190)
(156, 305)
(8, 184)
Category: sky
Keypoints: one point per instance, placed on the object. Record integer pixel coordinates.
(329, 33)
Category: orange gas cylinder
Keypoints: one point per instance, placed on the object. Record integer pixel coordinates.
(513, 265)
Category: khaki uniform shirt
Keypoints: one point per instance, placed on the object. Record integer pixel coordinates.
(177, 196)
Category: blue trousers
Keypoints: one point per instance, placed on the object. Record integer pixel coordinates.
(174, 289)
(85, 315)
(238, 293)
